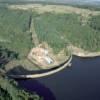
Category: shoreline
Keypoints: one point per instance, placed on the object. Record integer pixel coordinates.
(79, 52)
(68, 62)
(89, 55)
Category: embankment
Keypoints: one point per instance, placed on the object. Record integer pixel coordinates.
(67, 63)
(82, 53)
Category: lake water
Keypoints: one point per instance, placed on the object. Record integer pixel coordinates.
(80, 82)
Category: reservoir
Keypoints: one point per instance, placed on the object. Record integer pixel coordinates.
(79, 82)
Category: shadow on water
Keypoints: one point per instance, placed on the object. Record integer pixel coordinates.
(20, 70)
(34, 85)
(80, 82)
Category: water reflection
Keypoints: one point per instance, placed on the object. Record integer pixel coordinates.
(34, 85)
(80, 82)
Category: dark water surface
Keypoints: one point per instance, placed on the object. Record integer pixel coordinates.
(80, 82)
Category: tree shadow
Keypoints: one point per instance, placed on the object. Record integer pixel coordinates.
(32, 85)
(6, 56)
(18, 70)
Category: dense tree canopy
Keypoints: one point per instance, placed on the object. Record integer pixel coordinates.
(10, 91)
(14, 31)
(95, 22)
(57, 29)
(6, 56)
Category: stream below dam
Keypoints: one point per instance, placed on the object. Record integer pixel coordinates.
(79, 82)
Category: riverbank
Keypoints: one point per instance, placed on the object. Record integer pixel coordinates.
(82, 53)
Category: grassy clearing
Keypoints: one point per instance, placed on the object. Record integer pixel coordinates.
(53, 8)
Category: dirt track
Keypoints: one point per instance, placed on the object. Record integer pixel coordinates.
(54, 8)
(34, 35)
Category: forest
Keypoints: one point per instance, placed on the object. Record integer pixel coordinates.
(51, 28)
(9, 90)
(60, 29)
(56, 29)
(14, 31)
